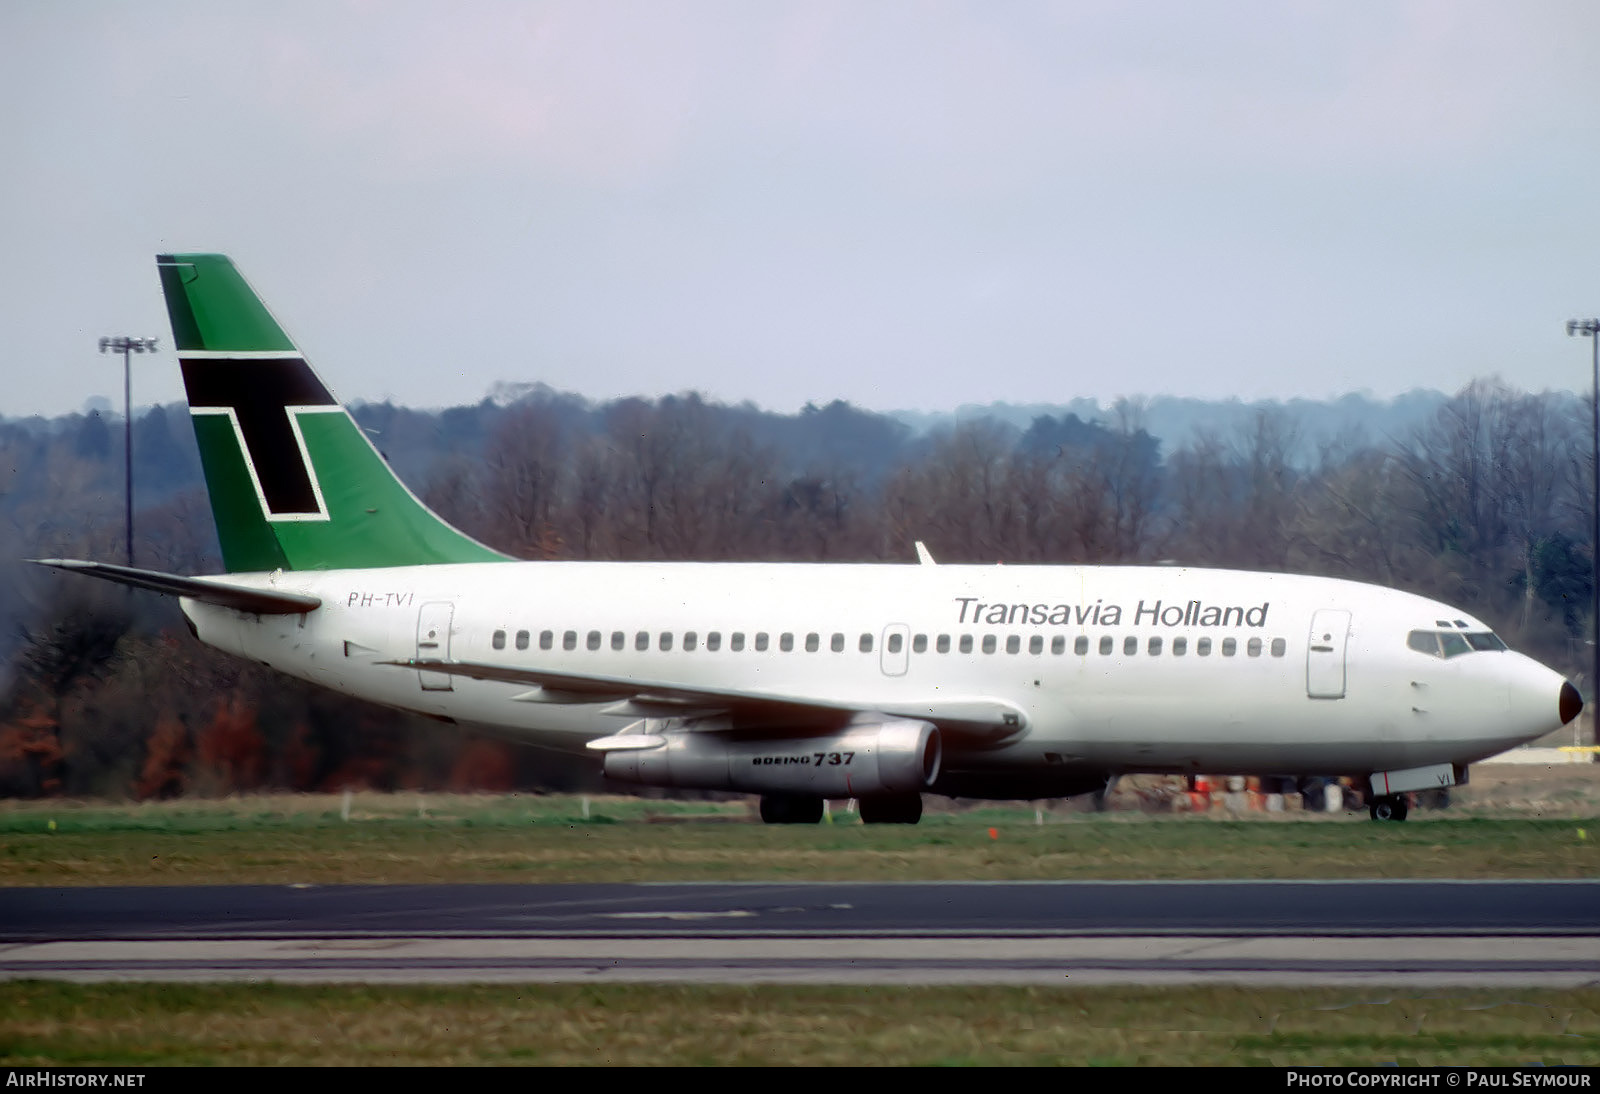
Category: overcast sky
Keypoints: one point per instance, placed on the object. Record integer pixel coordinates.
(902, 204)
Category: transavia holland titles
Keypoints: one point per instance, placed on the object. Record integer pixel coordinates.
(1192, 613)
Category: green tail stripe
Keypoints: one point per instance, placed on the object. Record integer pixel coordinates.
(212, 308)
(294, 482)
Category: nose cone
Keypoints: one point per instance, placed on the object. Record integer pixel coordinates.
(1571, 703)
(1529, 689)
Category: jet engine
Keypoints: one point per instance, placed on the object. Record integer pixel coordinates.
(868, 757)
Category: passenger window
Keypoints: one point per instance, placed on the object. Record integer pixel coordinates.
(1180, 646)
(713, 640)
(499, 640)
(1279, 647)
(897, 642)
(919, 644)
(943, 644)
(1013, 643)
(641, 641)
(1058, 644)
(865, 645)
(1036, 644)
(1106, 643)
(665, 641)
(1230, 647)
(966, 643)
(1080, 645)
(618, 640)
(1202, 647)
(761, 641)
(547, 639)
(813, 642)
(786, 641)
(837, 644)
(1155, 647)
(690, 640)
(569, 641)
(594, 640)
(1130, 645)
(1254, 647)
(736, 641)
(990, 644)
(522, 640)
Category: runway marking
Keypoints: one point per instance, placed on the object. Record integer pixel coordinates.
(1411, 961)
(678, 915)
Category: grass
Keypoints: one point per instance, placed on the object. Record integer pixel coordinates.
(136, 1025)
(530, 838)
(522, 838)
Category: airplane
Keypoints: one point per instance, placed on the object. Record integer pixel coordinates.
(802, 682)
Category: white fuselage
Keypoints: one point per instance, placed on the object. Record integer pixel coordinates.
(1124, 668)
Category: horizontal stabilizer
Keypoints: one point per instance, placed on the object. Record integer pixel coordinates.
(204, 589)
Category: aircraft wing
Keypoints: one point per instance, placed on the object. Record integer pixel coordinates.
(979, 717)
(208, 590)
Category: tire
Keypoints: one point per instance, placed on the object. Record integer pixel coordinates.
(1389, 808)
(790, 809)
(891, 809)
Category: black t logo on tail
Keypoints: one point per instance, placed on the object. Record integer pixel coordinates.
(259, 392)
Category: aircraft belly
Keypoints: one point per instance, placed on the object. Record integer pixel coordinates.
(1278, 731)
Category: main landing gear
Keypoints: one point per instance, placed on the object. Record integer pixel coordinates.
(891, 809)
(790, 809)
(806, 809)
(1391, 807)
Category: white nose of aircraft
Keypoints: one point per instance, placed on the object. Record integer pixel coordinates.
(1538, 700)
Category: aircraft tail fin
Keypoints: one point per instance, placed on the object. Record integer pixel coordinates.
(294, 482)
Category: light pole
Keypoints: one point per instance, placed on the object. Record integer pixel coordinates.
(126, 346)
(1590, 329)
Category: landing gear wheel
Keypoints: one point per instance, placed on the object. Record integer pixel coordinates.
(891, 809)
(790, 809)
(1389, 808)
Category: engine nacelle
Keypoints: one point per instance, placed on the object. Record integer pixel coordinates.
(879, 756)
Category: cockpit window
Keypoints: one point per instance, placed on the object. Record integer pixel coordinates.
(1452, 643)
(1424, 642)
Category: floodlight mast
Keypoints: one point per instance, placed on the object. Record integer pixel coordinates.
(126, 345)
(1590, 329)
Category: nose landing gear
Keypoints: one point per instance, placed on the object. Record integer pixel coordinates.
(1389, 807)
(1391, 790)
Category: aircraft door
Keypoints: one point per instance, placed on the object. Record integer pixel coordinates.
(895, 655)
(433, 642)
(1325, 653)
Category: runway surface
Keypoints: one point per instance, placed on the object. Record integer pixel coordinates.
(1436, 932)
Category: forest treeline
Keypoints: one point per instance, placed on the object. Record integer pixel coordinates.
(1483, 503)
